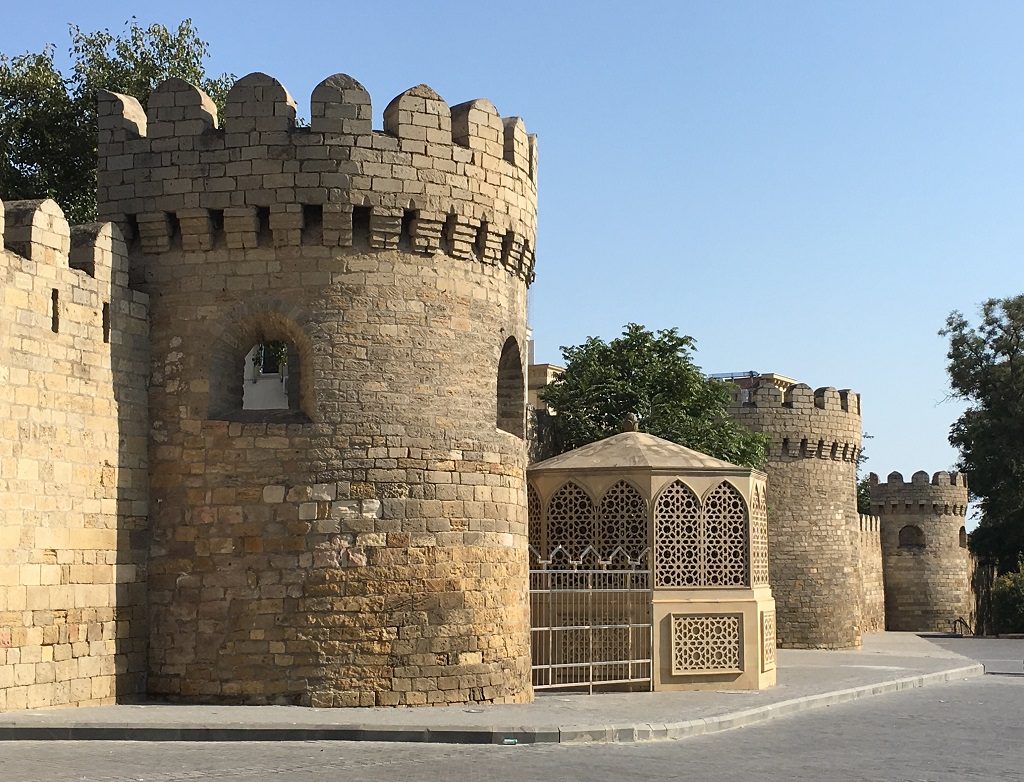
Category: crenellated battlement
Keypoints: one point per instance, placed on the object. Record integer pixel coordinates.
(869, 525)
(63, 279)
(944, 493)
(823, 423)
(458, 180)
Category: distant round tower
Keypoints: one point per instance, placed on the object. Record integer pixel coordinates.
(813, 525)
(358, 535)
(925, 559)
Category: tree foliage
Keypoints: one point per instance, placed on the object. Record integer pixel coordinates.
(986, 368)
(651, 375)
(48, 118)
(1008, 602)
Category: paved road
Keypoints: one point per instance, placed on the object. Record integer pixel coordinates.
(965, 731)
(998, 655)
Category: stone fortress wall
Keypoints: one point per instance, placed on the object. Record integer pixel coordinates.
(872, 584)
(924, 549)
(73, 462)
(368, 545)
(814, 529)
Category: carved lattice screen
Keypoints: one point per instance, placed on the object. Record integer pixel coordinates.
(570, 521)
(700, 545)
(706, 643)
(767, 640)
(534, 523)
(758, 539)
(622, 521)
(677, 535)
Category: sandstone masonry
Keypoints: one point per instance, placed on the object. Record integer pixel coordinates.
(368, 545)
(813, 526)
(924, 550)
(872, 590)
(74, 359)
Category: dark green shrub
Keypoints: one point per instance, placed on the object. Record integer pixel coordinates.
(1008, 602)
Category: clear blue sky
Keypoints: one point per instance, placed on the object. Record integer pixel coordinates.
(807, 188)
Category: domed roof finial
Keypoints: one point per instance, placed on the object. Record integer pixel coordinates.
(630, 423)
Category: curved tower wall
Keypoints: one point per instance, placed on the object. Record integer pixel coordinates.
(813, 525)
(368, 545)
(927, 579)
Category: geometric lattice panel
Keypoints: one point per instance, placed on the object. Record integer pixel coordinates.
(701, 544)
(570, 519)
(725, 537)
(758, 539)
(533, 515)
(678, 538)
(767, 640)
(706, 643)
(622, 521)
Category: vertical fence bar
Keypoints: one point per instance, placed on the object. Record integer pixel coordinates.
(590, 621)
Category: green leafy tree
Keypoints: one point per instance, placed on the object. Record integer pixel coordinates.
(651, 375)
(863, 484)
(1008, 602)
(48, 118)
(986, 368)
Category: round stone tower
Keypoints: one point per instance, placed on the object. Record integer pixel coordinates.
(813, 525)
(925, 560)
(348, 528)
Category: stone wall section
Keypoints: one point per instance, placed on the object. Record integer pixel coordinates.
(73, 463)
(927, 573)
(872, 607)
(813, 524)
(368, 546)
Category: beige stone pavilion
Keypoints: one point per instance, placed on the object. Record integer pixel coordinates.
(698, 527)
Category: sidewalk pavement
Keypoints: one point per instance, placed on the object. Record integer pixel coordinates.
(807, 679)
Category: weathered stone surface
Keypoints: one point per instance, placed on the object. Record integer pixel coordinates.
(924, 550)
(813, 525)
(74, 358)
(368, 545)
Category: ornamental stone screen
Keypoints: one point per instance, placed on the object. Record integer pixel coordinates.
(697, 526)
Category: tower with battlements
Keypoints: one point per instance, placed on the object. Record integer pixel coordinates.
(813, 525)
(365, 544)
(924, 550)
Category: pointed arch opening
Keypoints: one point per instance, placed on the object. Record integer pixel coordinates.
(511, 390)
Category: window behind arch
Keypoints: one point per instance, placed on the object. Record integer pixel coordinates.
(261, 370)
(271, 377)
(511, 390)
(911, 536)
(963, 537)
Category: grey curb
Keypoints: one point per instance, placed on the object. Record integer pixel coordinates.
(614, 733)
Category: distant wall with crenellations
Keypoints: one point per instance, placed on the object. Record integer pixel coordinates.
(872, 606)
(924, 549)
(73, 484)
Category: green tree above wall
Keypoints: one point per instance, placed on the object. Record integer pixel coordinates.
(986, 368)
(651, 375)
(48, 118)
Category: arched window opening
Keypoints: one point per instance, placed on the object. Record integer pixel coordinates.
(963, 537)
(911, 536)
(511, 393)
(261, 370)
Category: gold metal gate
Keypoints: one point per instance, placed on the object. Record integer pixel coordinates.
(590, 621)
